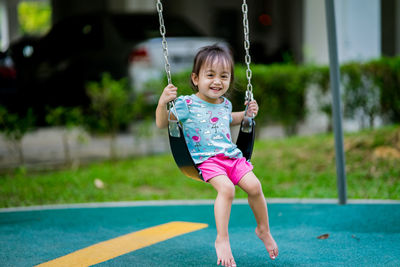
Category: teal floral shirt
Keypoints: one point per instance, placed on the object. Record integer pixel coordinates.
(206, 127)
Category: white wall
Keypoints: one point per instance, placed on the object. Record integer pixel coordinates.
(315, 46)
(357, 25)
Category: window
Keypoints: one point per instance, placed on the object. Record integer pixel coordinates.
(34, 17)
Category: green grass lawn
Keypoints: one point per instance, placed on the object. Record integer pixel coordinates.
(297, 167)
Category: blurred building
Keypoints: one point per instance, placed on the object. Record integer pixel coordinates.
(280, 30)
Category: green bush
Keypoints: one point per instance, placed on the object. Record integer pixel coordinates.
(360, 94)
(368, 88)
(320, 79)
(385, 73)
(279, 91)
(14, 127)
(68, 118)
(111, 107)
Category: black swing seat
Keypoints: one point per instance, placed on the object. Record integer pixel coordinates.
(181, 152)
(246, 137)
(184, 160)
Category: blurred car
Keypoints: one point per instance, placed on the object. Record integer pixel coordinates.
(8, 77)
(11, 93)
(146, 61)
(52, 70)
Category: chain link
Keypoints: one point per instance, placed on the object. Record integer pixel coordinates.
(249, 91)
(164, 43)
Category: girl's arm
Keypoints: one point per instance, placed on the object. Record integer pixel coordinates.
(237, 117)
(169, 94)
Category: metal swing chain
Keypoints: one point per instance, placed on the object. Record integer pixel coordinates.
(249, 91)
(164, 41)
(165, 53)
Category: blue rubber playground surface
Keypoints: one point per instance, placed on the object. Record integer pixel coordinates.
(357, 235)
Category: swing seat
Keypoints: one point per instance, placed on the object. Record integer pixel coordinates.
(184, 160)
(180, 151)
(245, 140)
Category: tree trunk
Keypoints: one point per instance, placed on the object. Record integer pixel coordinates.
(20, 152)
(113, 147)
(371, 120)
(67, 154)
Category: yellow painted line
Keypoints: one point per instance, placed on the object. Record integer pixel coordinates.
(124, 244)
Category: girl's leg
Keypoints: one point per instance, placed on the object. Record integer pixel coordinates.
(252, 186)
(222, 211)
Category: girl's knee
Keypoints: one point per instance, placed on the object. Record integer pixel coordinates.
(255, 188)
(227, 191)
(224, 186)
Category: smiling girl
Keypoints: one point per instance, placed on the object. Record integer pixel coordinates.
(207, 116)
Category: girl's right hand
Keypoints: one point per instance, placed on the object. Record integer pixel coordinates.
(170, 92)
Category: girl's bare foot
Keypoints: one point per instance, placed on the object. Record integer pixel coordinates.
(269, 243)
(224, 252)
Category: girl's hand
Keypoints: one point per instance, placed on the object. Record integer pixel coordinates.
(169, 94)
(252, 109)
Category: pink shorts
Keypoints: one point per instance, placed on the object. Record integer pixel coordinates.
(234, 168)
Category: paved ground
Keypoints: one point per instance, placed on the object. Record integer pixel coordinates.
(359, 234)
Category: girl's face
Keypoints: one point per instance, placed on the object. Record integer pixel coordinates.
(213, 81)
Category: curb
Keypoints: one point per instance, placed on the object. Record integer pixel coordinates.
(241, 201)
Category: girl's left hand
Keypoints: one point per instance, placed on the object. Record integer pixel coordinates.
(252, 109)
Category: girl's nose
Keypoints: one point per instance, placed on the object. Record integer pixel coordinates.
(217, 81)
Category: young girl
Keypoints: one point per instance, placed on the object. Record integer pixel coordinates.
(206, 117)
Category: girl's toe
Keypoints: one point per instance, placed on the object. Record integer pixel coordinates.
(272, 254)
